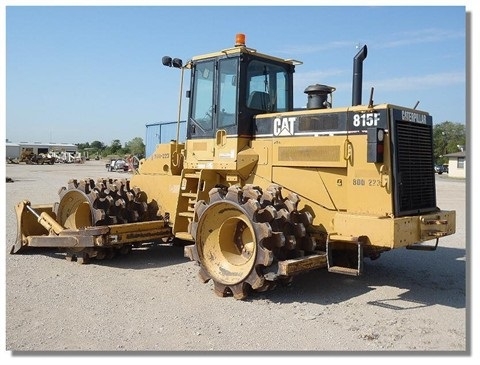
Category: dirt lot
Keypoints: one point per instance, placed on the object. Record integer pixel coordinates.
(152, 300)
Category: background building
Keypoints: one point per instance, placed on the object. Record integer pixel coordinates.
(163, 132)
(14, 150)
(457, 164)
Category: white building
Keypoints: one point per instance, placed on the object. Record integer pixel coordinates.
(457, 165)
(14, 150)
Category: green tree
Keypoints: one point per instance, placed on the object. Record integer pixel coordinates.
(99, 146)
(116, 147)
(448, 137)
(82, 146)
(136, 146)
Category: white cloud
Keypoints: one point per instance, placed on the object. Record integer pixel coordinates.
(299, 49)
(441, 80)
(431, 35)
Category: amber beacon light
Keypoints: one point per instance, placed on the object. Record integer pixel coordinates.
(239, 40)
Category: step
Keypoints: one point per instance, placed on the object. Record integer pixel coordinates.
(344, 270)
(355, 248)
(185, 236)
(192, 175)
(187, 214)
(189, 195)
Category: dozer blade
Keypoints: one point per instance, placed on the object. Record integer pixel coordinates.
(29, 224)
(37, 227)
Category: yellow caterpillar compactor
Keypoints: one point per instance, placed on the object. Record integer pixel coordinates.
(260, 191)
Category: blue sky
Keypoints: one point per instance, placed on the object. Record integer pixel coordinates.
(77, 74)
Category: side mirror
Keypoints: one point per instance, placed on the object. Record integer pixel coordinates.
(167, 61)
(177, 63)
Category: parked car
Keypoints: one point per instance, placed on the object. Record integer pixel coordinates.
(117, 165)
(438, 169)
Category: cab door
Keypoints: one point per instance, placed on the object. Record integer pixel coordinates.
(213, 110)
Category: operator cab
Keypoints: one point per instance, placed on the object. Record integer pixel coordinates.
(229, 87)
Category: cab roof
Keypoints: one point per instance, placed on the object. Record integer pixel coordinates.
(240, 48)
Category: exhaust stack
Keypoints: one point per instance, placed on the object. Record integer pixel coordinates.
(358, 76)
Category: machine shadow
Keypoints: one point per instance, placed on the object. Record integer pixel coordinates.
(423, 278)
(436, 279)
(147, 256)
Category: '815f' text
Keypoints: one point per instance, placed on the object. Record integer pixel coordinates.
(366, 120)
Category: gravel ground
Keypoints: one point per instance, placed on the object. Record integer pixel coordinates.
(407, 302)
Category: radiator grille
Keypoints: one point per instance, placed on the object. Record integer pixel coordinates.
(415, 179)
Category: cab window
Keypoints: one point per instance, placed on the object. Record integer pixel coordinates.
(266, 87)
(202, 101)
(227, 92)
